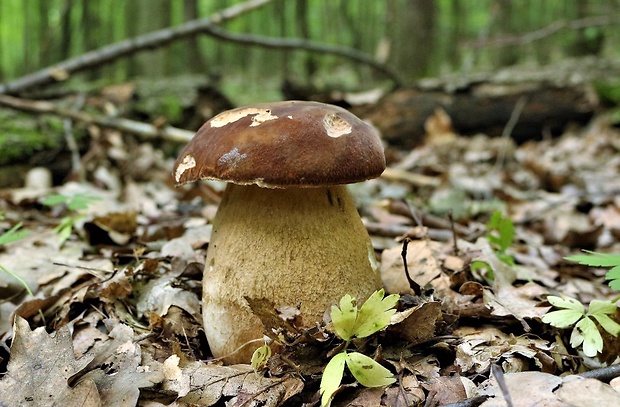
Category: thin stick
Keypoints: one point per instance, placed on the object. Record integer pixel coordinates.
(554, 27)
(109, 53)
(412, 284)
(501, 382)
(144, 130)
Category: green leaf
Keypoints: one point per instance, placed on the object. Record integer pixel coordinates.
(615, 284)
(81, 201)
(595, 259)
(587, 333)
(505, 230)
(613, 273)
(375, 314)
(332, 376)
(598, 307)
(562, 319)
(55, 199)
(13, 234)
(483, 269)
(260, 357)
(566, 302)
(343, 318)
(608, 324)
(367, 371)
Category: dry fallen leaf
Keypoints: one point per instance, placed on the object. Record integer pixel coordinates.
(120, 375)
(39, 369)
(206, 384)
(526, 389)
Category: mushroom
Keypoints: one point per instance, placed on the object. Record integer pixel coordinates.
(286, 229)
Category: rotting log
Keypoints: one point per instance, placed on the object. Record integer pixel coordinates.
(554, 97)
(482, 108)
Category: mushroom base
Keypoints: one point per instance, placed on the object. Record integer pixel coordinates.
(294, 246)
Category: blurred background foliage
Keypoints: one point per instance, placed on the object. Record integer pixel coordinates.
(419, 38)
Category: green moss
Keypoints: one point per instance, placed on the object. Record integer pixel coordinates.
(22, 136)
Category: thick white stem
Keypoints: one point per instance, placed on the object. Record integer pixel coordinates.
(293, 246)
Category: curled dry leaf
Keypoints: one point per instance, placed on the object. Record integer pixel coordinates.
(39, 370)
(238, 384)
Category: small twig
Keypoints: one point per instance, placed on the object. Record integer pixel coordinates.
(470, 402)
(301, 44)
(144, 130)
(455, 246)
(412, 284)
(604, 374)
(510, 125)
(76, 168)
(554, 27)
(110, 53)
(499, 377)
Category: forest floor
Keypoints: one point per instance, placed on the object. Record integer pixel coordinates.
(104, 282)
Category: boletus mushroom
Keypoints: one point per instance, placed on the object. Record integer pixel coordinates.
(287, 229)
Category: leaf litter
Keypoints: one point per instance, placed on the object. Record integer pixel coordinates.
(115, 316)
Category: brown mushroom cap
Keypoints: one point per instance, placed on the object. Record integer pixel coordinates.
(282, 144)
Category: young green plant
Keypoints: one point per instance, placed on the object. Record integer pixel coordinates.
(501, 232)
(74, 204)
(12, 235)
(349, 323)
(572, 312)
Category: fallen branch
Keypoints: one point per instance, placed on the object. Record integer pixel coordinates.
(301, 44)
(547, 31)
(109, 53)
(144, 130)
(209, 26)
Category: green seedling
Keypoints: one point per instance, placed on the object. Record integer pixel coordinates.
(14, 234)
(501, 235)
(501, 232)
(260, 357)
(585, 332)
(74, 204)
(595, 259)
(573, 312)
(349, 323)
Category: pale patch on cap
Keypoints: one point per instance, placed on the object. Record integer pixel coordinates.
(336, 126)
(224, 118)
(232, 158)
(187, 163)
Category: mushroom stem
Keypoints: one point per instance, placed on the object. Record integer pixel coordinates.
(294, 246)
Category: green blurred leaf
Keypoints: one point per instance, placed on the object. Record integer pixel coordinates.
(343, 318)
(13, 234)
(375, 314)
(332, 376)
(595, 259)
(587, 333)
(602, 307)
(260, 357)
(367, 371)
(55, 199)
(608, 324)
(483, 269)
(562, 319)
(81, 201)
(566, 302)
(505, 230)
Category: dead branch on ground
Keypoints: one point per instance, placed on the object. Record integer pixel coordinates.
(556, 26)
(109, 53)
(209, 26)
(301, 44)
(144, 130)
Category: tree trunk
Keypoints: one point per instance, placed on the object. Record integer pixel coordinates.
(194, 59)
(414, 38)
